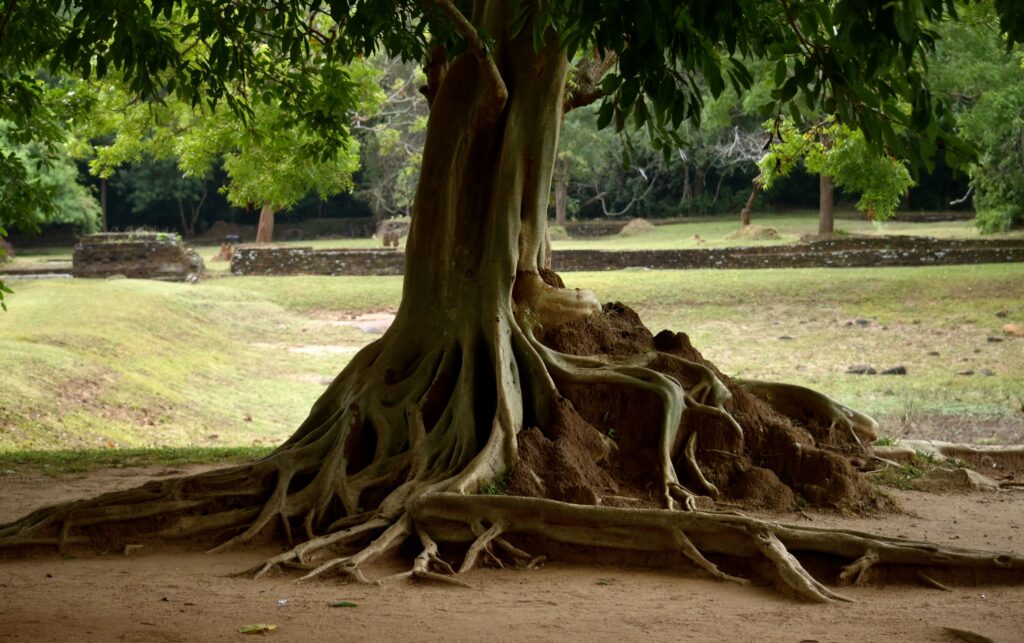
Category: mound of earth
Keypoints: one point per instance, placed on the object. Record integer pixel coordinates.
(557, 233)
(754, 232)
(636, 226)
(222, 229)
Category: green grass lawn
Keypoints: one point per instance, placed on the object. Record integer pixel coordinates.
(238, 361)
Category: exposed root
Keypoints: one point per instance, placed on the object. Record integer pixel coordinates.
(857, 571)
(789, 569)
(452, 517)
(481, 544)
(931, 582)
(421, 567)
(809, 406)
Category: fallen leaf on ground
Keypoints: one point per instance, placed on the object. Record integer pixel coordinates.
(342, 604)
(257, 628)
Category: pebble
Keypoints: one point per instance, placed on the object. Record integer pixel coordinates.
(861, 369)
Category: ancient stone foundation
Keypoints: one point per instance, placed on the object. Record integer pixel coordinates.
(855, 252)
(137, 255)
(252, 259)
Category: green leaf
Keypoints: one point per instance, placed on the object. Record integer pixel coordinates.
(257, 628)
(604, 115)
(780, 73)
(343, 604)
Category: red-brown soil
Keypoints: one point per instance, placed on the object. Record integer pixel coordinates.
(179, 595)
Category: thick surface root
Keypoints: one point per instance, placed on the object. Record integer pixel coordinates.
(693, 535)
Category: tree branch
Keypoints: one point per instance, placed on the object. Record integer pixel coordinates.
(586, 77)
(479, 48)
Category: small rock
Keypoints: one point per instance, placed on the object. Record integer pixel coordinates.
(994, 340)
(849, 323)
(940, 479)
(862, 322)
(933, 353)
(1014, 329)
(247, 418)
(861, 369)
(967, 372)
(785, 337)
(895, 370)
(987, 372)
(1002, 314)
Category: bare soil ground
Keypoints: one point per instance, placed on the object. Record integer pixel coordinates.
(181, 595)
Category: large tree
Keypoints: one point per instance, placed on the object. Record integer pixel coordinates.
(500, 403)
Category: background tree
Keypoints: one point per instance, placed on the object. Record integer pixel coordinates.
(840, 156)
(270, 160)
(985, 82)
(392, 139)
(48, 170)
(493, 375)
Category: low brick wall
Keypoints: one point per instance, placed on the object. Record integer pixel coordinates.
(252, 259)
(137, 255)
(861, 252)
(831, 253)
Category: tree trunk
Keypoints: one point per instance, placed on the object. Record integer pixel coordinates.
(698, 182)
(756, 186)
(181, 217)
(494, 377)
(826, 204)
(561, 193)
(103, 205)
(265, 229)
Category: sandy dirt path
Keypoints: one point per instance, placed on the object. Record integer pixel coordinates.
(162, 595)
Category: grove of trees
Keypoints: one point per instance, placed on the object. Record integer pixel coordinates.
(482, 413)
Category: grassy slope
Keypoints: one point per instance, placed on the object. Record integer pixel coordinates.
(738, 319)
(135, 363)
(139, 363)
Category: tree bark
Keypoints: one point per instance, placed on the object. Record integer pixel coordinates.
(756, 186)
(265, 228)
(826, 204)
(561, 194)
(103, 205)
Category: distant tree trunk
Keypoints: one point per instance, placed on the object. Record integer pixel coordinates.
(181, 216)
(687, 189)
(698, 182)
(826, 207)
(756, 187)
(561, 193)
(265, 230)
(103, 205)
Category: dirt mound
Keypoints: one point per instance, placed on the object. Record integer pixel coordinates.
(557, 233)
(636, 226)
(220, 230)
(604, 441)
(754, 232)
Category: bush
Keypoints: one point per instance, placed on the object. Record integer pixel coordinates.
(999, 219)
